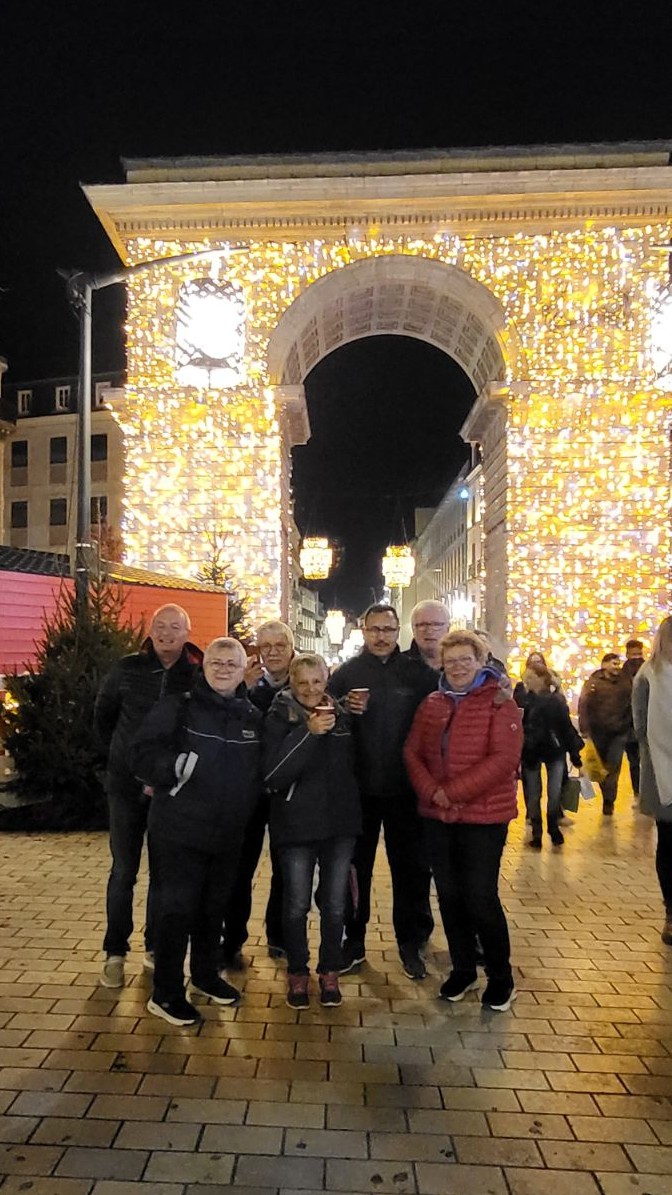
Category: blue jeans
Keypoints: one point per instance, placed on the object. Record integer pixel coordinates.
(128, 826)
(298, 860)
(555, 772)
(465, 863)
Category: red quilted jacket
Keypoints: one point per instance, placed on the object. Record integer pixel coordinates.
(471, 750)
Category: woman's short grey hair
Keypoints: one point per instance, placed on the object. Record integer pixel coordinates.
(309, 659)
(222, 644)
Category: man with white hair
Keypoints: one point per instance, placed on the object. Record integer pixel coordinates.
(429, 622)
(166, 664)
(267, 674)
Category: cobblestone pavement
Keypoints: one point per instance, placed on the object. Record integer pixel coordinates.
(570, 1091)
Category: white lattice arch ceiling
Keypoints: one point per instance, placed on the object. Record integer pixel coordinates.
(400, 295)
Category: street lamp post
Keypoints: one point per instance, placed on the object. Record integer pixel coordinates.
(80, 287)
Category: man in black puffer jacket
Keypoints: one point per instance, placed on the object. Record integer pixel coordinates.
(166, 664)
(200, 753)
(383, 689)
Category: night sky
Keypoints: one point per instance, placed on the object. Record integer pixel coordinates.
(85, 84)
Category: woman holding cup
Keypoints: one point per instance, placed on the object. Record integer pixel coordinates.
(315, 819)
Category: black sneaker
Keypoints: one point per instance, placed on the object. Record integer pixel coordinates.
(608, 808)
(297, 991)
(457, 985)
(217, 990)
(276, 952)
(499, 995)
(412, 962)
(354, 955)
(330, 993)
(557, 836)
(176, 1012)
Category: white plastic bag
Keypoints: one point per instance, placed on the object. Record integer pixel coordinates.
(587, 788)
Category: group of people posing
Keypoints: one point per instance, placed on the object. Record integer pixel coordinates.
(204, 752)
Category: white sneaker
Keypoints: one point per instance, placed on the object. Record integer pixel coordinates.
(148, 961)
(112, 975)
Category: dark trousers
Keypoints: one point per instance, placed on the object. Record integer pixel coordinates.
(191, 890)
(411, 876)
(333, 856)
(465, 862)
(531, 777)
(664, 862)
(239, 902)
(611, 754)
(128, 824)
(632, 752)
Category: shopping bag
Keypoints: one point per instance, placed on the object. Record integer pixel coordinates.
(592, 762)
(569, 794)
(587, 788)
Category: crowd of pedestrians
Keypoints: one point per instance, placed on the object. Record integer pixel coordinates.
(206, 754)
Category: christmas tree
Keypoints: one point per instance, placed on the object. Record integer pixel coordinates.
(218, 570)
(47, 719)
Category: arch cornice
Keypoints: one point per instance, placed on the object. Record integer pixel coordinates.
(395, 294)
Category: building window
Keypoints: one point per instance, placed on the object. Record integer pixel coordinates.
(23, 398)
(19, 454)
(99, 509)
(99, 447)
(58, 450)
(62, 398)
(58, 512)
(19, 514)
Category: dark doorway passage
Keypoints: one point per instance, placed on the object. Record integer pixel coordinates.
(385, 414)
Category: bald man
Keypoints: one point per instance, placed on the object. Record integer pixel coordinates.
(166, 663)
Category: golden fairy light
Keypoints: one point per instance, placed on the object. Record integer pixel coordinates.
(398, 566)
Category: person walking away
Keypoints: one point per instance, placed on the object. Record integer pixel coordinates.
(383, 688)
(201, 755)
(605, 717)
(462, 755)
(549, 736)
(166, 664)
(634, 658)
(652, 720)
(266, 675)
(315, 819)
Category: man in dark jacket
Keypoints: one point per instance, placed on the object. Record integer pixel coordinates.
(605, 716)
(383, 689)
(201, 755)
(266, 675)
(166, 664)
(634, 658)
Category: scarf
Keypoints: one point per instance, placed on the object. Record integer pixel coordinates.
(659, 728)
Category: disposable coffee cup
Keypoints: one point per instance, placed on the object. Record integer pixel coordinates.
(362, 695)
(324, 709)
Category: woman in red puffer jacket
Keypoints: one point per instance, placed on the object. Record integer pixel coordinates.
(462, 756)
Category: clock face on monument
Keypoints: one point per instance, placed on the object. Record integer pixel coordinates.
(210, 334)
(661, 339)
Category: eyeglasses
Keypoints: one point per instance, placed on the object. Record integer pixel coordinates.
(460, 662)
(221, 665)
(429, 626)
(381, 630)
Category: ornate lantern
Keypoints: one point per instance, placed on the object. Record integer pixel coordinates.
(335, 626)
(398, 566)
(316, 558)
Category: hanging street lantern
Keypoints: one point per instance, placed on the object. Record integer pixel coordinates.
(398, 566)
(316, 558)
(335, 626)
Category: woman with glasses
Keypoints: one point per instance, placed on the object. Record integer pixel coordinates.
(462, 756)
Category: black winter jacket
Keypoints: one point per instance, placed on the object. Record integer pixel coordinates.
(263, 693)
(127, 694)
(314, 794)
(201, 753)
(396, 689)
(548, 729)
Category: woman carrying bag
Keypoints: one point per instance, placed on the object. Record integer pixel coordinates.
(652, 717)
(549, 736)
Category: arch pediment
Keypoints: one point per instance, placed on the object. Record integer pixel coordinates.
(398, 295)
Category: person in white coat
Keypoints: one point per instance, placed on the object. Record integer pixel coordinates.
(652, 719)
